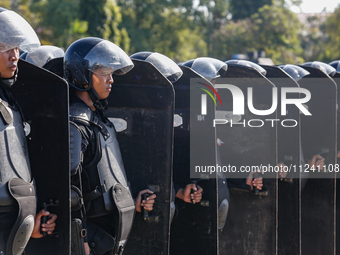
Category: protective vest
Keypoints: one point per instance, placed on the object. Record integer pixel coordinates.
(16, 187)
(13, 148)
(111, 190)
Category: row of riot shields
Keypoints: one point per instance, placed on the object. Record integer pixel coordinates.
(289, 217)
(295, 213)
(142, 110)
(179, 134)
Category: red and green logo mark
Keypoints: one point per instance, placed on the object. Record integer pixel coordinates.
(204, 97)
(208, 92)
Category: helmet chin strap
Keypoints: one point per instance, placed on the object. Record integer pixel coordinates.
(95, 99)
(99, 104)
(8, 82)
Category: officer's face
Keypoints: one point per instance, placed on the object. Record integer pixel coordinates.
(8, 62)
(101, 81)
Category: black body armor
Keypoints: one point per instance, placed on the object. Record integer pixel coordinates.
(16, 187)
(105, 187)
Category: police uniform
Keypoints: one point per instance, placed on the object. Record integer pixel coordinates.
(102, 198)
(17, 191)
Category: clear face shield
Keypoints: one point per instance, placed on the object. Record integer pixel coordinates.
(15, 32)
(248, 64)
(209, 68)
(106, 58)
(44, 54)
(336, 65)
(164, 65)
(321, 66)
(296, 72)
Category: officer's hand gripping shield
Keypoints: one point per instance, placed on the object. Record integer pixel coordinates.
(248, 143)
(319, 136)
(141, 106)
(195, 229)
(289, 187)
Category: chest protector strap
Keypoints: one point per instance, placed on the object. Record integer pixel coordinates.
(24, 194)
(5, 114)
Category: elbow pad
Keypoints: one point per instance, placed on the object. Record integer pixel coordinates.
(75, 148)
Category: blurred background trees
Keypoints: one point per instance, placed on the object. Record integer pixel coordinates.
(186, 29)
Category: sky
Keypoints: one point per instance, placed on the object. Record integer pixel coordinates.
(316, 6)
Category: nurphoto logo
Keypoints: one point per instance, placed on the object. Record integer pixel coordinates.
(238, 104)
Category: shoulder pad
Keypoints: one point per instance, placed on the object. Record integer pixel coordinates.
(75, 148)
(80, 113)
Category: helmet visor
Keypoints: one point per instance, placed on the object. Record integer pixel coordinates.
(248, 64)
(209, 68)
(328, 69)
(296, 72)
(108, 57)
(15, 32)
(166, 66)
(336, 65)
(44, 54)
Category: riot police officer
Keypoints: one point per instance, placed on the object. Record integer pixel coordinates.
(191, 193)
(102, 200)
(316, 161)
(18, 219)
(212, 69)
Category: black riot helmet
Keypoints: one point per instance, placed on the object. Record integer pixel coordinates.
(209, 68)
(43, 55)
(296, 72)
(326, 68)
(248, 64)
(165, 65)
(15, 32)
(86, 55)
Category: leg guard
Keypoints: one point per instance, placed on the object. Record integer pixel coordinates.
(3, 240)
(126, 208)
(24, 194)
(172, 205)
(223, 202)
(99, 240)
(223, 213)
(77, 237)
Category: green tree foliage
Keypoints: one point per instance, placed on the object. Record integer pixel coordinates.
(211, 15)
(163, 26)
(58, 21)
(233, 37)
(183, 29)
(103, 18)
(5, 4)
(61, 22)
(330, 49)
(245, 8)
(273, 29)
(313, 37)
(276, 30)
(188, 43)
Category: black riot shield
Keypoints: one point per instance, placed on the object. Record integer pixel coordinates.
(141, 106)
(288, 143)
(336, 78)
(43, 99)
(318, 136)
(248, 142)
(194, 229)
